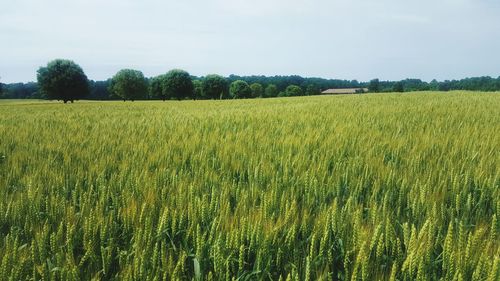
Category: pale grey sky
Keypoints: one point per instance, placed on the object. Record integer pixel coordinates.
(346, 39)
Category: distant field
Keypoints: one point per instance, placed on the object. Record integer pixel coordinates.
(353, 187)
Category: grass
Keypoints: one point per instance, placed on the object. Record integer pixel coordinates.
(361, 187)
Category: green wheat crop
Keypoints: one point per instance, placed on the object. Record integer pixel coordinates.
(361, 187)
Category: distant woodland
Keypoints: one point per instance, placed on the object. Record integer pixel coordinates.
(100, 90)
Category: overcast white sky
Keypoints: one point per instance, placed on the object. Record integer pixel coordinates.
(346, 39)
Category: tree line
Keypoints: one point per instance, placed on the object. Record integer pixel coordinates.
(484, 84)
(65, 80)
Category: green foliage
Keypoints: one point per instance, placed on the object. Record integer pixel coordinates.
(62, 80)
(99, 89)
(198, 89)
(282, 94)
(312, 90)
(271, 91)
(156, 87)
(129, 84)
(370, 187)
(177, 84)
(240, 89)
(374, 86)
(22, 91)
(215, 87)
(398, 87)
(292, 91)
(257, 90)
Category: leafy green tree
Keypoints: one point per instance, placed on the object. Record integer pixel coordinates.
(129, 84)
(99, 90)
(156, 88)
(198, 89)
(398, 87)
(257, 90)
(239, 90)
(312, 90)
(22, 91)
(178, 84)
(374, 86)
(445, 86)
(215, 87)
(271, 91)
(434, 85)
(293, 91)
(62, 80)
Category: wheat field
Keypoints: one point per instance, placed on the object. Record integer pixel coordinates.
(354, 187)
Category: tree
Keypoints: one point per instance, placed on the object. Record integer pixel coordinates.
(198, 89)
(99, 90)
(271, 91)
(129, 84)
(434, 85)
(156, 87)
(312, 90)
(257, 90)
(293, 91)
(239, 90)
(398, 87)
(215, 87)
(22, 91)
(62, 80)
(445, 86)
(178, 84)
(374, 86)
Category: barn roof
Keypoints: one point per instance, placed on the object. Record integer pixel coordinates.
(344, 91)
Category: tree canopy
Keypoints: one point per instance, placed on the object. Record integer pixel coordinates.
(374, 86)
(398, 87)
(271, 91)
(215, 87)
(240, 89)
(257, 90)
(156, 87)
(177, 84)
(293, 91)
(312, 89)
(129, 84)
(63, 87)
(62, 80)
(198, 89)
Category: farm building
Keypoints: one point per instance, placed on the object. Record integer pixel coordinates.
(344, 91)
